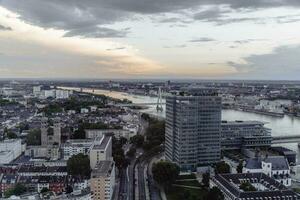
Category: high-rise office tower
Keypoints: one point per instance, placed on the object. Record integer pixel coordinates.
(193, 124)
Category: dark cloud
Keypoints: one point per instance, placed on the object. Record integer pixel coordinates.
(76, 16)
(5, 28)
(282, 63)
(98, 32)
(203, 39)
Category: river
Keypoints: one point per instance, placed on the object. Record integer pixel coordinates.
(280, 126)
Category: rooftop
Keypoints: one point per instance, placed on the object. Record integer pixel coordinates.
(103, 142)
(278, 162)
(270, 187)
(103, 168)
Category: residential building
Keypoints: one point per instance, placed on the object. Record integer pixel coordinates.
(266, 188)
(7, 182)
(276, 167)
(31, 170)
(103, 180)
(9, 150)
(76, 146)
(101, 150)
(95, 133)
(244, 134)
(290, 155)
(193, 126)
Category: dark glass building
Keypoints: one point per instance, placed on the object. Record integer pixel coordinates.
(193, 126)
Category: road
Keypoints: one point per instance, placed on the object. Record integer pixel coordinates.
(123, 185)
(153, 188)
(141, 181)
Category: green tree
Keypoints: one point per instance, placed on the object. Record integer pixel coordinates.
(247, 187)
(137, 140)
(44, 190)
(222, 168)
(131, 152)
(11, 135)
(205, 179)
(165, 173)
(34, 137)
(215, 194)
(17, 190)
(239, 168)
(79, 165)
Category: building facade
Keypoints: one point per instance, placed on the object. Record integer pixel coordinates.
(103, 180)
(276, 167)
(101, 150)
(9, 150)
(266, 188)
(244, 134)
(193, 125)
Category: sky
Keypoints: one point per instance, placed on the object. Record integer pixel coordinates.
(144, 39)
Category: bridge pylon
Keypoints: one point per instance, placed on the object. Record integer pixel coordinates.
(159, 107)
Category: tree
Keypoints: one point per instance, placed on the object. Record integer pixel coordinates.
(239, 168)
(205, 179)
(34, 137)
(11, 135)
(17, 190)
(44, 190)
(137, 140)
(165, 173)
(79, 165)
(222, 168)
(69, 189)
(247, 187)
(145, 116)
(118, 153)
(215, 194)
(131, 152)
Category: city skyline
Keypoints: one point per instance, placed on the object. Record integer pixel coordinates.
(133, 39)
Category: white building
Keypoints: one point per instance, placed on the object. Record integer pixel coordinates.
(84, 110)
(48, 94)
(101, 150)
(276, 167)
(96, 133)
(103, 180)
(36, 90)
(62, 94)
(10, 150)
(76, 146)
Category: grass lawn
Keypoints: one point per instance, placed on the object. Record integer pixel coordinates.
(179, 193)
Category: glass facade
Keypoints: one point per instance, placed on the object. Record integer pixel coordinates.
(193, 125)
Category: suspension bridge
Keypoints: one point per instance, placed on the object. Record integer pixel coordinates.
(159, 104)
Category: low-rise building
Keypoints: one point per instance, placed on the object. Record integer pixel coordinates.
(244, 134)
(95, 133)
(276, 167)
(103, 180)
(265, 188)
(31, 170)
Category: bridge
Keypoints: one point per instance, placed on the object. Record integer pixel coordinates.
(286, 139)
(158, 104)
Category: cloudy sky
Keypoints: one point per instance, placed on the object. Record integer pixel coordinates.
(219, 39)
